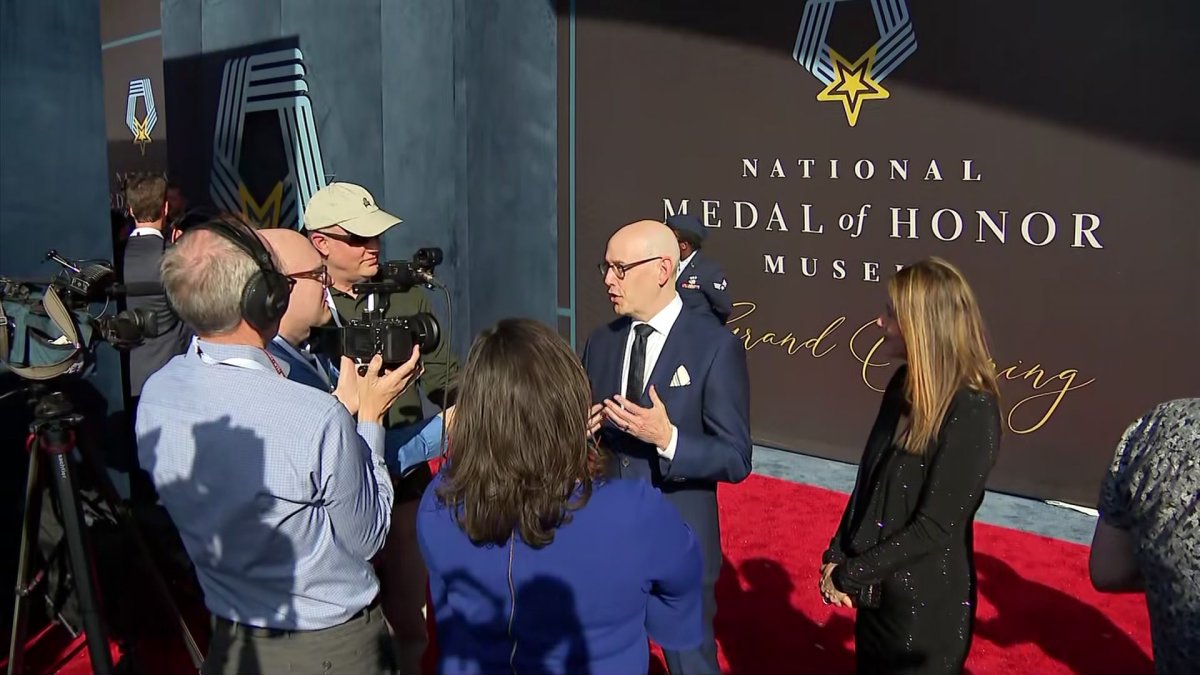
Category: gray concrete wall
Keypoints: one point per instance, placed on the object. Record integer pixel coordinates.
(444, 109)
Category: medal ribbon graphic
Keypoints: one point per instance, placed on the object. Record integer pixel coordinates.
(852, 83)
(140, 128)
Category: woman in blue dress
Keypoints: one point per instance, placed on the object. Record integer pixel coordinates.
(537, 562)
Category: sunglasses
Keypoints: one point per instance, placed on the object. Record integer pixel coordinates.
(350, 239)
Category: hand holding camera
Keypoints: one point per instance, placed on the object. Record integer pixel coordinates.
(377, 390)
(347, 385)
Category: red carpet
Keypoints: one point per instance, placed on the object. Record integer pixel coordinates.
(1037, 611)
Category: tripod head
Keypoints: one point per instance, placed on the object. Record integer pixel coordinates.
(54, 419)
(54, 416)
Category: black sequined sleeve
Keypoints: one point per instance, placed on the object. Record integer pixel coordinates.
(960, 466)
(836, 553)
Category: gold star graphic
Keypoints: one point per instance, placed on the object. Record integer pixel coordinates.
(853, 83)
(141, 133)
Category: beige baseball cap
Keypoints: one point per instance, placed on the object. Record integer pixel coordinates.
(349, 206)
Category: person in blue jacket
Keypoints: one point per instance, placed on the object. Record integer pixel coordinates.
(700, 280)
(539, 562)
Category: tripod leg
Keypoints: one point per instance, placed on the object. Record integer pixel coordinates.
(81, 571)
(164, 593)
(124, 516)
(29, 538)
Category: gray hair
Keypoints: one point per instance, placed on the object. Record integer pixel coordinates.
(204, 275)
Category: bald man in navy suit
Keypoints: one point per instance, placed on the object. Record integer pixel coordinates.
(672, 399)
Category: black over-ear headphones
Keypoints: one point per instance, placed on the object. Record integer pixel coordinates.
(265, 296)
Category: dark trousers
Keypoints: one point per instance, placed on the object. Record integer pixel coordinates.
(702, 661)
(361, 645)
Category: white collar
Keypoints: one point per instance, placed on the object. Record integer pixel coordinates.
(241, 356)
(146, 231)
(665, 319)
(683, 264)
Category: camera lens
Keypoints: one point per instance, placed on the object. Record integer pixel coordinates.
(426, 332)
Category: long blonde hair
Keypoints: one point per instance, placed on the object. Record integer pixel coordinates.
(944, 337)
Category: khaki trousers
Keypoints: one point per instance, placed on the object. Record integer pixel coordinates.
(359, 646)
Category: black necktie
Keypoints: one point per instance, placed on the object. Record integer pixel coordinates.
(637, 363)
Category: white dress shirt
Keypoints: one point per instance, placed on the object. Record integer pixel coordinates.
(661, 323)
(146, 231)
(683, 265)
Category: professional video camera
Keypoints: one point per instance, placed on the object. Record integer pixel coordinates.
(393, 338)
(45, 326)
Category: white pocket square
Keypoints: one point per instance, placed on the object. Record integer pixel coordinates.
(681, 377)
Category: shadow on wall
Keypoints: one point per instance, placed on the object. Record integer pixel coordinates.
(1056, 61)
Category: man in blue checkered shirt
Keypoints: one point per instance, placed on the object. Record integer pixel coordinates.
(281, 499)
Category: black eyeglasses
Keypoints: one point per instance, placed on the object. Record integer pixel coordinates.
(621, 268)
(351, 239)
(320, 274)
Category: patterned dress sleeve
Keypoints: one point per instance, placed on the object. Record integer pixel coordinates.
(1124, 478)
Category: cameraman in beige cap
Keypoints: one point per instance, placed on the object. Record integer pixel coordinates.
(345, 224)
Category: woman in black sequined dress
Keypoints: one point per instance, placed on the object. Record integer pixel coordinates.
(903, 553)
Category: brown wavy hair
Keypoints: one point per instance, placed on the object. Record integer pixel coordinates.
(520, 457)
(944, 338)
(146, 194)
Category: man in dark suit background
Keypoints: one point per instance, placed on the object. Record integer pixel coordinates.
(700, 279)
(672, 398)
(146, 204)
(146, 198)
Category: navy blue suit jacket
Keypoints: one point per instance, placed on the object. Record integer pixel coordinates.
(298, 371)
(140, 268)
(712, 415)
(702, 286)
